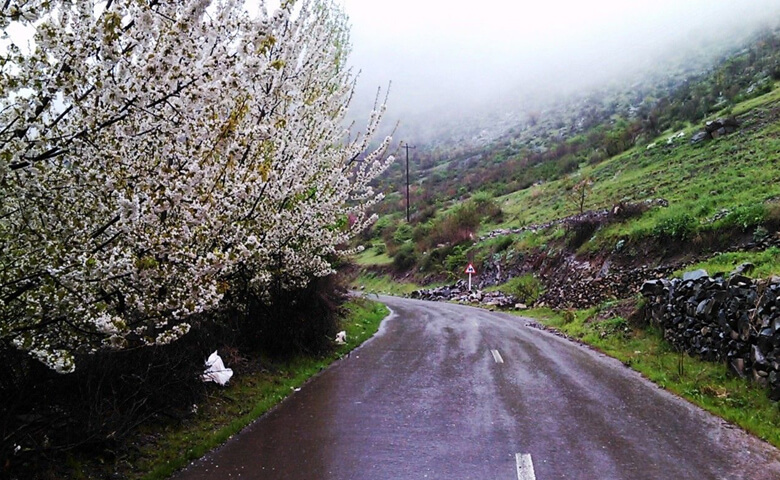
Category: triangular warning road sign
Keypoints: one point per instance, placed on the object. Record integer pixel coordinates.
(470, 269)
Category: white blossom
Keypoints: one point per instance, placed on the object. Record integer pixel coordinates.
(155, 154)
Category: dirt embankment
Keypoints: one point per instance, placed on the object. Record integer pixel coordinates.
(585, 280)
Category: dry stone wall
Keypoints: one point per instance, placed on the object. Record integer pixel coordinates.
(726, 318)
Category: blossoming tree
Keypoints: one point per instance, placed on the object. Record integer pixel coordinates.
(153, 152)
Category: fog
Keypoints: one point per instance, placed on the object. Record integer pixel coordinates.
(448, 57)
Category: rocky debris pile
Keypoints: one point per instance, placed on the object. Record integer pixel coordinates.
(724, 318)
(716, 128)
(575, 284)
(459, 292)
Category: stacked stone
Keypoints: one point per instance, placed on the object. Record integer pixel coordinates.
(569, 287)
(458, 292)
(723, 318)
(716, 128)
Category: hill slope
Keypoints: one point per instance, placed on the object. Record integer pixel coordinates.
(718, 193)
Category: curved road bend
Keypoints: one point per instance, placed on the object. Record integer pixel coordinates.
(452, 392)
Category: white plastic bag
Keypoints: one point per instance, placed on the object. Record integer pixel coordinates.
(216, 371)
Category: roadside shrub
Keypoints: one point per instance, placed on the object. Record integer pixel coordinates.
(291, 322)
(680, 226)
(457, 227)
(380, 248)
(421, 232)
(433, 261)
(486, 206)
(580, 232)
(503, 243)
(383, 224)
(405, 258)
(596, 157)
(456, 261)
(402, 233)
(425, 214)
(745, 217)
(98, 406)
(526, 288)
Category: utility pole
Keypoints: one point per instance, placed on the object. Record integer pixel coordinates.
(407, 147)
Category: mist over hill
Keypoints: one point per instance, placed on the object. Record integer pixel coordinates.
(460, 82)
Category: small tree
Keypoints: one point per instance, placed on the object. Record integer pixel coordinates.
(578, 193)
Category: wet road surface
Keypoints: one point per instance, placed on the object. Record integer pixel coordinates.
(452, 392)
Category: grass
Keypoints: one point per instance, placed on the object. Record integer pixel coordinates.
(738, 170)
(370, 256)
(709, 385)
(226, 411)
(767, 263)
(527, 288)
(375, 283)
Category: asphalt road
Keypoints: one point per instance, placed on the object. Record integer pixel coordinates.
(451, 392)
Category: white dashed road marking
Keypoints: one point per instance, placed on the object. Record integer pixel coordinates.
(525, 467)
(497, 356)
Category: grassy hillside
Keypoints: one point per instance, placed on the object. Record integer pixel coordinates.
(737, 173)
(554, 140)
(715, 193)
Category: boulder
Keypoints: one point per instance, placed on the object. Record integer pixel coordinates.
(700, 137)
(713, 126)
(695, 275)
(653, 287)
(742, 269)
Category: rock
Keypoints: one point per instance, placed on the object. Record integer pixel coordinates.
(742, 269)
(521, 306)
(705, 307)
(713, 126)
(729, 123)
(738, 366)
(652, 287)
(700, 137)
(734, 319)
(694, 275)
(739, 281)
(758, 378)
(757, 356)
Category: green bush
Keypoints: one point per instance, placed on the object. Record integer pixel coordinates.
(526, 288)
(745, 217)
(503, 243)
(405, 258)
(402, 233)
(433, 260)
(456, 261)
(680, 226)
(384, 223)
(485, 206)
(421, 232)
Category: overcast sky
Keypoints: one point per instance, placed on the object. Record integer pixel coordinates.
(452, 52)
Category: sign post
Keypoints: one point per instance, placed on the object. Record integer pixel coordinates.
(471, 271)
